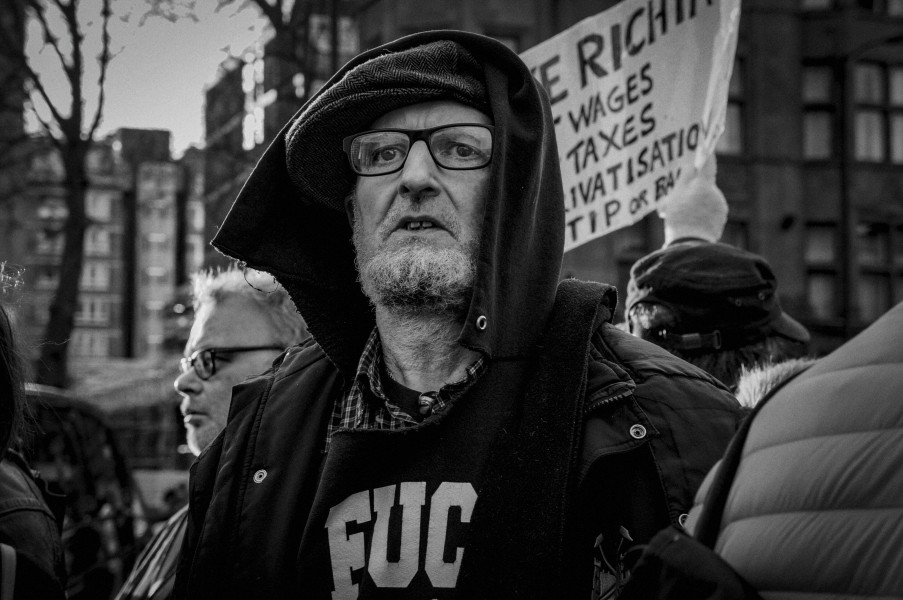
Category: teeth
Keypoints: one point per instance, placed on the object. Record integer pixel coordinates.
(414, 225)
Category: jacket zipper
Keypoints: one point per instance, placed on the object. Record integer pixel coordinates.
(599, 403)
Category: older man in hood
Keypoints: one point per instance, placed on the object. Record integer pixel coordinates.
(461, 425)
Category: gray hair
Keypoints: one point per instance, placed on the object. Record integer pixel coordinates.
(212, 286)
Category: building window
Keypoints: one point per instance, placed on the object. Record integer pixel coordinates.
(874, 289)
(732, 139)
(46, 278)
(53, 209)
(818, 112)
(821, 260)
(895, 112)
(97, 241)
(821, 293)
(195, 216)
(95, 276)
(92, 311)
(820, 244)
(156, 241)
(321, 36)
(194, 252)
(94, 344)
(47, 165)
(98, 205)
(893, 8)
(879, 256)
(878, 94)
(155, 275)
(156, 209)
(49, 242)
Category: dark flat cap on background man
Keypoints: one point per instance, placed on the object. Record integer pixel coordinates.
(710, 299)
(460, 426)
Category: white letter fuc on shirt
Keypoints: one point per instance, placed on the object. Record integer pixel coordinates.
(399, 574)
(347, 551)
(443, 574)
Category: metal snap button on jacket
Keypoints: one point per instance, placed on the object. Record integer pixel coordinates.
(637, 431)
(260, 475)
(482, 321)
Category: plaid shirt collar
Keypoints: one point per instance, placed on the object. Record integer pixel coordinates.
(366, 405)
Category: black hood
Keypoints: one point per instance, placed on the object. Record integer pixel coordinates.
(307, 246)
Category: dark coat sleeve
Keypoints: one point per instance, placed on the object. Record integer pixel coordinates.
(29, 526)
(201, 476)
(649, 441)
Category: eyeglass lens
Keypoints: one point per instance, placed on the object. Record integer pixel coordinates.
(203, 363)
(453, 147)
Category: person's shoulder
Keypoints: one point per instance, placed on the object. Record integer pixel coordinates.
(644, 359)
(299, 357)
(18, 488)
(658, 374)
(291, 362)
(300, 369)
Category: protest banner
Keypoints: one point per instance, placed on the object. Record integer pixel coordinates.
(639, 95)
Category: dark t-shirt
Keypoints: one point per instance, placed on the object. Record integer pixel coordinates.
(407, 399)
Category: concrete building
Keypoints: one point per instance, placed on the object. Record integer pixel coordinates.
(165, 227)
(226, 161)
(40, 212)
(145, 235)
(156, 198)
(252, 98)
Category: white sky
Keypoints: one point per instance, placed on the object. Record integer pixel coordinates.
(158, 76)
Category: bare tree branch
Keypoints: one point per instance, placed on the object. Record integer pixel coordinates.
(35, 81)
(71, 139)
(53, 135)
(72, 127)
(104, 61)
(31, 76)
(50, 38)
(273, 12)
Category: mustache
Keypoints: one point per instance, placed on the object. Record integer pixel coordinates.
(440, 212)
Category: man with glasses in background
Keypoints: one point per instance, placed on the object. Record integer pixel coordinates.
(243, 320)
(461, 426)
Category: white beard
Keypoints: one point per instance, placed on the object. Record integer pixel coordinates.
(415, 276)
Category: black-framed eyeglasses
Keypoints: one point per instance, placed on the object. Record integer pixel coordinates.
(204, 360)
(458, 146)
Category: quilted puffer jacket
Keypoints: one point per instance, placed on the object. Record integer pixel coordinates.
(816, 506)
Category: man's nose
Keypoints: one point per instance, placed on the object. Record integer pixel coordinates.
(418, 175)
(188, 383)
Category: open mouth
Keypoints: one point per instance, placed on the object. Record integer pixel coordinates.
(419, 224)
(415, 225)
